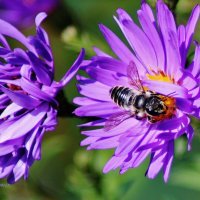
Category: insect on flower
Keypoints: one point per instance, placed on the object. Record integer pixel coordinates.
(140, 102)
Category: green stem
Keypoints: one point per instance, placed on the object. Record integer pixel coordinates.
(65, 109)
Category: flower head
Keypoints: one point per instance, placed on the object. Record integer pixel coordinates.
(22, 13)
(146, 121)
(27, 98)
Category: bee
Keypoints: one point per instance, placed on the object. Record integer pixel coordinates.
(138, 102)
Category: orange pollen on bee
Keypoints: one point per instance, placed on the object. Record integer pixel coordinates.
(170, 104)
(168, 101)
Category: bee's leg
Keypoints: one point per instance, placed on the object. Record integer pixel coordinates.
(139, 115)
(151, 119)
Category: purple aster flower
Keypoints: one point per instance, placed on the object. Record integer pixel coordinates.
(145, 95)
(27, 98)
(22, 13)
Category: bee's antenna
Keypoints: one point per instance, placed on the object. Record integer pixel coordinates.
(171, 94)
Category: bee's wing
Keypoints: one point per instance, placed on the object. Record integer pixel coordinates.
(133, 76)
(116, 119)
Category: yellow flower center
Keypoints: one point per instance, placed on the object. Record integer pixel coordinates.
(160, 76)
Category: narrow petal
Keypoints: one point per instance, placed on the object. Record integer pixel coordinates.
(99, 52)
(190, 135)
(191, 25)
(110, 64)
(105, 143)
(11, 109)
(181, 40)
(196, 62)
(166, 88)
(137, 40)
(156, 163)
(107, 77)
(73, 70)
(15, 131)
(149, 28)
(87, 87)
(39, 18)
(113, 163)
(9, 30)
(168, 160)
(21, 99)
(44, 75)
(98, 109)
(116, 45)
(36, 92)
(83, 101)
(170, 37)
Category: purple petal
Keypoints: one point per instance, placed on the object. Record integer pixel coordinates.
(9, 30)
(116, 45)
(184, 105)
(18, 171)
(181, 39)
(113, 163)
(10, 146)
(190, 135)
(100, 122)
(188, 81)
(156, 163)
(107, 77)
(173, 123)
(151, 32)
(11, 109)
(36, 92)
(21, 99)
(191, 25)
(43, 74)
(170, 37)
(168, 160)
(166, 88)
(104, 143)
(39, 18)
(89, 140)
(37, 146)
(110, 64)
(130, 144)
(99, 52)
(196, 63)
(120, 129)
(84, 101)
(9, 163)
(73, 70)
(137, 39)
(17, 57)
(88, 87)
(42, 49)
(98, 109)
(14, 129)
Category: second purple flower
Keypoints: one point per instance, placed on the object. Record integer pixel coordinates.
(28, 107)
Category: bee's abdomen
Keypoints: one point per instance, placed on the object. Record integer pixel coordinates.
(121, 95)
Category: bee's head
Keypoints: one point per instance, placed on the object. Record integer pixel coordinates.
(155, 106)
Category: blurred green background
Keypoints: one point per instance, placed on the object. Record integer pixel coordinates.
(68, 171)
